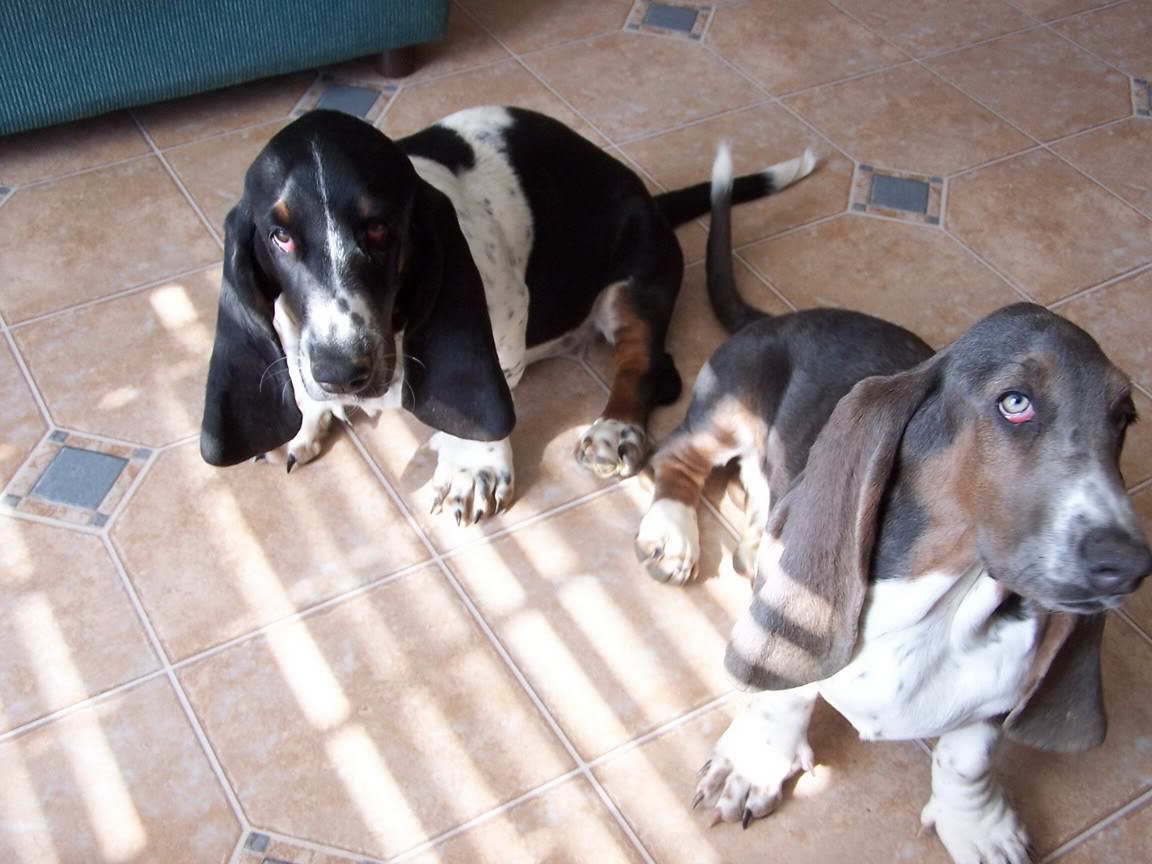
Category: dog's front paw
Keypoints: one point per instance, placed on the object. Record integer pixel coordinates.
(612, 447)
(668, 542)
(744, 779)
(992, 834)
(473, 479)
(305, 446)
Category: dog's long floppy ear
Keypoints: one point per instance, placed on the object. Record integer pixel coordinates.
(816, 559)
(1063, 710)
(452, 376)
(249, 407)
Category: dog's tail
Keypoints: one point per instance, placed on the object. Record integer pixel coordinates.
(692, 202)
(732, 310)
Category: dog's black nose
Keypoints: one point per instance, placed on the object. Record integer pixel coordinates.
(1116, 560)
(337, 372)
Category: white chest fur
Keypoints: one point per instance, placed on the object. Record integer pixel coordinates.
(933, 656)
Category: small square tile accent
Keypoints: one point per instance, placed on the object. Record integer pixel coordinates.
(256, 842)
(897, 194)
(262, 849)
(349, 99)
(1142, 97)
(4, 190)
(352, 97)
(667, 19)
(78, 477)
(75, 479)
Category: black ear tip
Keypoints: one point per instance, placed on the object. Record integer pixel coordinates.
(212, 452)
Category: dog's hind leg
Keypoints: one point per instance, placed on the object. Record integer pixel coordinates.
(968, 809)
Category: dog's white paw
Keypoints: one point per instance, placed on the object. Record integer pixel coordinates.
(991, 835)
(305, 446)
(668, 542)
(473, 479)
(744, 778)
(612, 447)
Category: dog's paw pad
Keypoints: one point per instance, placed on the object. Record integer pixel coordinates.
(613, 448)
(668, 542)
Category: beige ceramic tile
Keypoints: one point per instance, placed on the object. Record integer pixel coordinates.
(1047, 10)
(422, 104)
(862, 803)
(1120, 317)
(1060, 795)
(630, 84)
(23, 425)
(555, 402)
(1128, 840)
(94, 233)
(924, 27)
(464, 46)
(940, 129)
(182, 120)
(526, 25)
(123, 781)
(1120, 34)
(373, 724)
(1117, 157)
(254, 544)
(57, 150)
(67, 628)
(213, 169)
(1040, 82)
(568, 825)
(611, 652)
(1046, 226)
(694, 335)
(138, 375)
(792, 44)
(759, 137)
(913, 275)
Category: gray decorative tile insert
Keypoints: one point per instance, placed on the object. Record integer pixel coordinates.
(351, 100)
(1142, 97)
(12, 500)
(256, 841)
(58, 435)
(80, 478)
(899, 193)
(681, 18)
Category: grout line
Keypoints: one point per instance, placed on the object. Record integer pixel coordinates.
(181, 696)
(487, 816)
(1048, 26)
(90, 701)
(29, 381)
(962, 172)
(136, 483)
(176, 179)
(1126, 617)
(1143, 484)
(115, 295)
(1107, 283)
(665, 728)
(764, 278)
(503, 653)
(1019, 289)
(1107, 5)
(51, 522)
(1132, 806)
(855, 76)
(43, 181)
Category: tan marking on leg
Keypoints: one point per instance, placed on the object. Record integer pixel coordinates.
(632, 360)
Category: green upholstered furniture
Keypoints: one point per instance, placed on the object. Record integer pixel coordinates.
(65, 59)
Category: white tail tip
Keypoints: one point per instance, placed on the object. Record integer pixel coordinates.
(722, 169)
(786, 173)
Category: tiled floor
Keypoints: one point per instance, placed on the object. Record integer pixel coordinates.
(238, 666)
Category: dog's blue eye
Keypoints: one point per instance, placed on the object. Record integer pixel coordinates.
(1016, 407)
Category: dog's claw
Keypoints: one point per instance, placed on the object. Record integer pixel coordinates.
(289, 464)
(746, 819)
(697, 800)
(260, 457)
(704, 769)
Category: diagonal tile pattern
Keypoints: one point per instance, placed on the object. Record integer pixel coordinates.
(241, 667)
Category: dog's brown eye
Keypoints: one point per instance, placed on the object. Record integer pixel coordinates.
(376, 232)
(283, 240)
(1016, 407)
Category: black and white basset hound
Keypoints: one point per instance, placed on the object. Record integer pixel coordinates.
(935, 539)
(426, 273)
